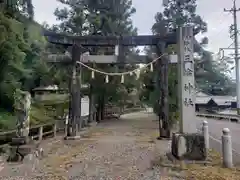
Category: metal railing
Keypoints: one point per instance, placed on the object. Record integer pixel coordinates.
(227, 117)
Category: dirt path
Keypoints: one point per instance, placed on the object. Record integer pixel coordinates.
(123, 149)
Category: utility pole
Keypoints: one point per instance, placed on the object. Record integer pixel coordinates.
(234, 11)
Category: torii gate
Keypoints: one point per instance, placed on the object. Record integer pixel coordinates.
(79, 45)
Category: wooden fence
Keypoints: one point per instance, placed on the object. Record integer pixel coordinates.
(39, 132)
(42, 131)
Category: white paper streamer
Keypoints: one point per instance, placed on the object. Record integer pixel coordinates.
(93, 75)
(107, 79)
(122, 79)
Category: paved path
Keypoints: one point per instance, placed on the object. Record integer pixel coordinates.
(124, 149)
(215, 131)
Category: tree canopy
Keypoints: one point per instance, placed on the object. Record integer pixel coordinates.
(209, 73)
(22, 49)
(103, 18)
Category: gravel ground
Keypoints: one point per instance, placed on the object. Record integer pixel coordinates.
(124, 149)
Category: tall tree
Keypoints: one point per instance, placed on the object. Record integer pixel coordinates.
(14, 8)
(175, 14)
(102, 17)
(212, 75)
(13, 52)
(178, 13)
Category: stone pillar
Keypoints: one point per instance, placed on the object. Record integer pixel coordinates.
(187, 144)
(186, 80)
(22, 105)
(206, 134)
(227, 148)
(22, 109)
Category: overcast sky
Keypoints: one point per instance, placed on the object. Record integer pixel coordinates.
(210, 10)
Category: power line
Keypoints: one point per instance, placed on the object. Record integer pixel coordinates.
(234, 32)
(221, 29)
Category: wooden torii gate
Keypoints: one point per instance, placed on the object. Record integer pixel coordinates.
(79, 45)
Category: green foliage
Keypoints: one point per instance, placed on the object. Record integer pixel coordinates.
(209, 74)
(47, 111)
(102, 18)
(14, 8)
(7, 120)
(13, 52)
(22, 64)
(175, 14)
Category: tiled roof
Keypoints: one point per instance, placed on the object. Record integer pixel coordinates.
(223, 100)
(202, 98)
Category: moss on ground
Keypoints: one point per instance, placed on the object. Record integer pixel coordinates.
(212, 170)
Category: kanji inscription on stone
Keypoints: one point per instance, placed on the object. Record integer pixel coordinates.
(188, 68)
(188, 87)
(188, 102)
(186, 79)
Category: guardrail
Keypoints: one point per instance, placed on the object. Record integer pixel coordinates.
(227, 117)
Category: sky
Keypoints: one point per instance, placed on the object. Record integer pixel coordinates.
(210, 10)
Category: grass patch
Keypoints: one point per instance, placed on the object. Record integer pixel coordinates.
(41, 113)
(7, 120)
(210, 170)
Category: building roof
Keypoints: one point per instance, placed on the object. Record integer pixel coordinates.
(223, 100)
(202, 94)
(203, 100)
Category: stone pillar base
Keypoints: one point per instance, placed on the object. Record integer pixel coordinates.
(188, 146)
(19, 148)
